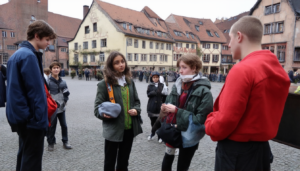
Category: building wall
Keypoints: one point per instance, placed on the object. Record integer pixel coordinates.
(212, 52)
(4, 41)
(286, 14)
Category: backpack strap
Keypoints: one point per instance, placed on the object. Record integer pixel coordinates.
(110, 93)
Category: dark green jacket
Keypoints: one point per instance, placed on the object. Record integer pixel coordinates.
(199, 103)
(113, 129)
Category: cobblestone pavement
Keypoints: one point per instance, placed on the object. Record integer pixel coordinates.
(85, 135)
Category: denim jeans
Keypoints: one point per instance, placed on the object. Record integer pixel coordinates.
(64, 129)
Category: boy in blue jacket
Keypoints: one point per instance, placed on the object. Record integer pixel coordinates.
(26, 96)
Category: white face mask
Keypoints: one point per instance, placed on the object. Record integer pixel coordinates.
(186, 78)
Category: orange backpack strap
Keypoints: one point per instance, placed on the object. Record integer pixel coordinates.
(110, 93)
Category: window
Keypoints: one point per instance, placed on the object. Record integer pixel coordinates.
(94, 44)
(297, 55)
(140, 30)
(162, 68)
(103, 43)
(162, 46)
(87, 30)
(216, 46)
(12, 34)
(169, 46)
(124, 26)
(136, 57)
(5, 59)
(217, 34)
(215, 58)
(225, 31)
(281, 53)
(159, 33)
(92, 58)
(95, 27)
(63, 49)
(33, 18)
(144, 44)
(209, 33)
(11, 47)
(84, 58)
(177, 33)
(271, 9)
(157, 45)
(187, 45)
(278, 27)
(4, 34)
(200, 22)
(176, 57)
(76, 46)
(0, 46)
(192, 35)
(129, 57)
(129, 42)
(151, 58)
(165, 35)
(143, 57)
(206, 45)
(155, 58)
(102, 57)
(225, 47)
(161, 58)
(152, 33)
(197, 28)
(179, 45)
(85, 45)
(148, 32)
(166, 58)
(268, 28)
(272, 49)
(206, 58)
(151, 45)
(187, 35)
(193, 46)
(75, 58)
(136, 43)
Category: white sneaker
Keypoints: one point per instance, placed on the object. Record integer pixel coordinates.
(160, 140)
(176, 152)
(149, 138)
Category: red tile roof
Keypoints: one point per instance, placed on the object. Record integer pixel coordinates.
(138, 19)
(183, 38)
(151, 13)
(64, 26)
(187, 24)
(63, 41)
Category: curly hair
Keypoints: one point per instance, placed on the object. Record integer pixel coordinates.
(109, 72)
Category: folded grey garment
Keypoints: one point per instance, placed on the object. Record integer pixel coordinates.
(108, 108)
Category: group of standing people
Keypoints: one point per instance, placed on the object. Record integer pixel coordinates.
(213, 77)
(245, 115)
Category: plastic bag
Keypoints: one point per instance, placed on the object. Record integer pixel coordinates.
(297, 90)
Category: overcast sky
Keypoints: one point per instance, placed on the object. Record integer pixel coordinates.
(191, 8)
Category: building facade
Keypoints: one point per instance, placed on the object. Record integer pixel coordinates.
(281, 21)
(18, 14)
(138, 35)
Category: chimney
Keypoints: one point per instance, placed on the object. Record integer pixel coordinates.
(85, 10)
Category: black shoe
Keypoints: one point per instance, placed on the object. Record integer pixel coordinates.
(51, 147)
(67, 146)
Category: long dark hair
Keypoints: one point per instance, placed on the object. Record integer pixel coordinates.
(109, 72)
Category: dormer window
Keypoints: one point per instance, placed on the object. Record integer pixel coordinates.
(130, 27)
(32, 18)
(225, 31)
(38, 1)
(192, 36)
(187, 35)
(197, 28)
(217, 34)
(124, 26)
(200, 22)
(209, 33)
(159, 33)
(148, 32)
(165, 35)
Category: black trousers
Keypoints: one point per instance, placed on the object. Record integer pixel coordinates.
(153, 120)
(64, 129)
(119, 151)
(31, 148)
(184, 159)
(243, 156)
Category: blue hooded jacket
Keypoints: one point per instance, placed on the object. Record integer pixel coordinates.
(26, 96)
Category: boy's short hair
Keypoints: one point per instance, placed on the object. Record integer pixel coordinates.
(41, 28)
(250, 26)
(54, 64)
(192, 60)
(46, 70)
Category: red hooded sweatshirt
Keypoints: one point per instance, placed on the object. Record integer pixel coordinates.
(251, 102)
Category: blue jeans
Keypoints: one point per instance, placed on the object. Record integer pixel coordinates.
(64, 129)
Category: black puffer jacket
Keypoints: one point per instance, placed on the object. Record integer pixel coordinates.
(155, 99)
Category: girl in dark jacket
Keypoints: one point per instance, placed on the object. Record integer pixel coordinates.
(154, 92)
(120, 131)
(190, 95)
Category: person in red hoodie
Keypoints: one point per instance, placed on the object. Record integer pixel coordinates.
(248, 110)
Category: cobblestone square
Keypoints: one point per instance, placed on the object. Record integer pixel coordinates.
(85, 135)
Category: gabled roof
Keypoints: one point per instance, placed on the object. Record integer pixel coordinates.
(224, 26)
(63, 41)
(188, 24)
(295, 5)
(64, 26)
(151, 13)
(138, 19)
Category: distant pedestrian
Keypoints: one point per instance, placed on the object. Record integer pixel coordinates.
(27, 102)
(147, 74)
(60, 93)
(121, 121)
(87, 74)
(248, 110)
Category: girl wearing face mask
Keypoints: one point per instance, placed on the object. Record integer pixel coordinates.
(120, 131)
(189, 95)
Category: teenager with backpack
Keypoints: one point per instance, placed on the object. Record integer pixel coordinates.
(117, 104)
(27, 101)
(60, 93)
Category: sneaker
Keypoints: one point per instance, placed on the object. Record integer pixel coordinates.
(160, 140)
(51, 147)
(67, 146)
(176, 152)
